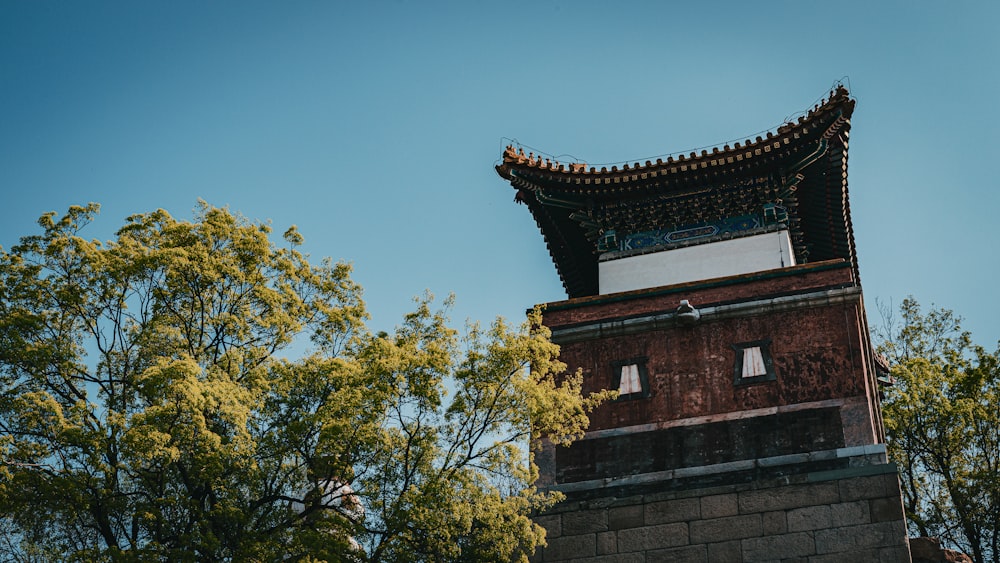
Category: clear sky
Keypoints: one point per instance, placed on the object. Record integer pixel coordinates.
(375, 126)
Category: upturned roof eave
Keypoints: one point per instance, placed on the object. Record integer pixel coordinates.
(825, 119)
(553, 194)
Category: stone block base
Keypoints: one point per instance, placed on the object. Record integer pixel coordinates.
(850, 514)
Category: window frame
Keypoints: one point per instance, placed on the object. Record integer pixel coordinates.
(616, 377)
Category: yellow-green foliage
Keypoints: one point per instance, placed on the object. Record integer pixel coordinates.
(147, 411)
(942, 420)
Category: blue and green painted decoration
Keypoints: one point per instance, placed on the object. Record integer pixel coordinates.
(609, 241)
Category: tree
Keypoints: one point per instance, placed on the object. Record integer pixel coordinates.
(147, 411)
(942, 421)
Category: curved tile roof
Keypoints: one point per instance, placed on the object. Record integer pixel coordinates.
(802, 167)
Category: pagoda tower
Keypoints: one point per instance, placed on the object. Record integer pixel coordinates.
(719, 294)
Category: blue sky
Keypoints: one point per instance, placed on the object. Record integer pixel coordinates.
(375, 126)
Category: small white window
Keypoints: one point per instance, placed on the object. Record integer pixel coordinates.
(630, 378)
(753, 362)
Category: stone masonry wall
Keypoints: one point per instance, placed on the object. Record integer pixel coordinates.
(852, 514)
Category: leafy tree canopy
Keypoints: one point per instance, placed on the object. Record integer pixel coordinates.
(942, 421)
(147, 411)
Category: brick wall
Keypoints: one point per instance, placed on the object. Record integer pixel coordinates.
(817, 355)
(852, 514)
(693, 406)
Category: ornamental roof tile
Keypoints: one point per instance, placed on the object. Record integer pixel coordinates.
(787, 134)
